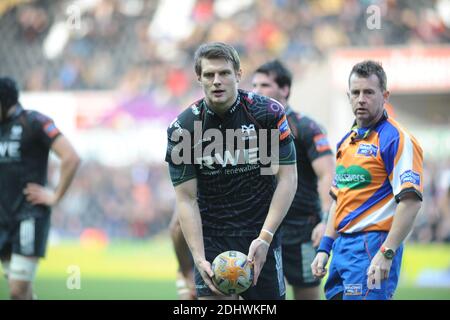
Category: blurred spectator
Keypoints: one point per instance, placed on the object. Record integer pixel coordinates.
(121, 201)
(114, 39)
(433, 222)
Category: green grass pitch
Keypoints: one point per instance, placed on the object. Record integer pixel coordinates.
(146, 270)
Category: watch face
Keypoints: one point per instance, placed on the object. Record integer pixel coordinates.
(389, 253)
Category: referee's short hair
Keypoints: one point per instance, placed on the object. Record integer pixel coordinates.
(367, 68)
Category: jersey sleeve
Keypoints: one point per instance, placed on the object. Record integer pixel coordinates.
(315, 139)
(178, 154)
(403, 158)
(277, 120)
(44, 128)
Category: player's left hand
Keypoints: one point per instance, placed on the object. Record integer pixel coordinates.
(37, 194)
(317, 234)
(378, 270)
(257, 254)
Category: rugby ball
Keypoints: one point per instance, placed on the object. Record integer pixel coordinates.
(232, 273)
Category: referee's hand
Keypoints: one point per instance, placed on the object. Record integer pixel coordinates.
(318, 266)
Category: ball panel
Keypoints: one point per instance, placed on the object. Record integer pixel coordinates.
(232, 273)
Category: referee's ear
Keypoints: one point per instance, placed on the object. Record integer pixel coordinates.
(386, 95)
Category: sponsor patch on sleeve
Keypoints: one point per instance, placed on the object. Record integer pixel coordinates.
(50, 129)
(321, 143)
(410, 176)
(283, 127)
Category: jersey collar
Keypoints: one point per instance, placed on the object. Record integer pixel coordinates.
(362, 133)
(234, 107)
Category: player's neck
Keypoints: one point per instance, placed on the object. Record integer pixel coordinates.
(9, 113)
(12, 110)
(222, 108)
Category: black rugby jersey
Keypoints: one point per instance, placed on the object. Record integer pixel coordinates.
(25, 141)
(233, 196)
(310, 143)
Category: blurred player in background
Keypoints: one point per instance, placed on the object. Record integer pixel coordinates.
(25, 140)
(302, 228)
(224, 204)
(185, 275)
(378, 192)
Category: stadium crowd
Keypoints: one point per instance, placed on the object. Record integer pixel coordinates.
(129, 202)
(112, 46)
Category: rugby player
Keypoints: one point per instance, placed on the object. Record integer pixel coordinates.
(26, 137)
(305, 222)
(225, 197)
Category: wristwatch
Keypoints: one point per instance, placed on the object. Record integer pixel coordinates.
(387, 252)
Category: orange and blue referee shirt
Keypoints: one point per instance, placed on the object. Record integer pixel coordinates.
(374, 168)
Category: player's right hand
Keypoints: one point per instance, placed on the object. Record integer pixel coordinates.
(319, 264)
(204, 267)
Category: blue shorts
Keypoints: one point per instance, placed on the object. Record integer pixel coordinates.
(351, 257)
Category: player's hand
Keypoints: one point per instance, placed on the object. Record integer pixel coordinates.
(37, 194)
(204, 267)
(318, 266)
(257, 254)
(317, 234)
(378, 270)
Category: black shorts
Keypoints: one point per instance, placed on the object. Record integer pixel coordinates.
(27, 237)
(270, 284)
(298, 255)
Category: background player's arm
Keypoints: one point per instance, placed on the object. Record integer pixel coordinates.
(321, 259)
(402, 224)
(281, 201)
(185, 280)
(181, 247)
(282, 197)
(324, 169)
(70, 161)
(191, 225)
